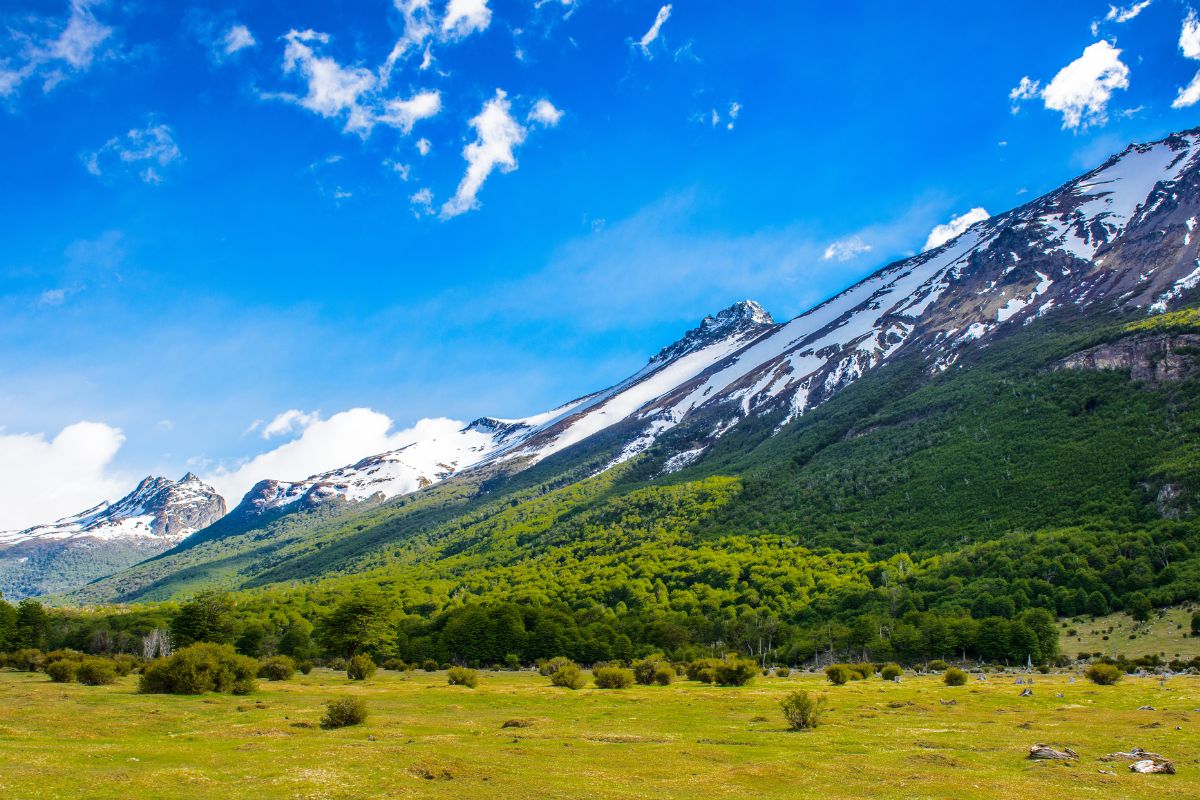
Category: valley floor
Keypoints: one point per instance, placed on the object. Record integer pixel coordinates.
(429, 740)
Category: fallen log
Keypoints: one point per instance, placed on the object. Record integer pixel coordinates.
(1152, 766)
(1045, 751)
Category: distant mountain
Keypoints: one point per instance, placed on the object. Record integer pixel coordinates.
(1122, 234)
(1120, 239)
(154, 517)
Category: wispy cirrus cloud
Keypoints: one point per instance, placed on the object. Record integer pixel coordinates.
(51, 59)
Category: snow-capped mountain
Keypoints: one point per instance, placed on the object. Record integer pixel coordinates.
(154, 517)
(1124, 233)
(159, 509)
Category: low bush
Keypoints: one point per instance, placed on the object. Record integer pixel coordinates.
(277, 668)
(337, 664)
(837, 674)
(125, 664)
(199, 668)
(802, 711)
(63, 670)
(644, 668)
(703, 670)
(394, 665)
(890, 672)
(360, 667)
(344, 712)
(1103, 674)
(568, 676)
(552, 665)
(612, 678)
(782, 672)
(96, 672)
(27, 660)
(954, 677)
(663, 674)
(461, 676)
(429, 665)
(937, 665)
(304, 666)
(733, 671)
(862, 670)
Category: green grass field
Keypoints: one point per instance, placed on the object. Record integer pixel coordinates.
(430, 740)
(1166, 635)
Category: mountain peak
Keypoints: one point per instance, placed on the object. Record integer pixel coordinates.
(738, 318)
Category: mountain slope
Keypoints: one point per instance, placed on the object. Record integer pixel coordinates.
(792, 410)
(155, 516)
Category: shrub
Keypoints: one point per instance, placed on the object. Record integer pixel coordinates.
(429, 665)
(1103, 674)
(199, 668)
(802, 711)
(337, 664)
(890, 672)
(96, 672)
(395, 665)
(862, 670)
(461, 676)
(703, 670)
(782, 672)
(837, 674)
(569, 676)
(360, 667)
(645, 671)
(552, 665)
(63, 670)
(954, 677)
(125, 664)
(613, 678)
(344, 712)
(663, 675)
(277, 668)
(735, 671)
(27, 660)
(937, 665)
(304, 666)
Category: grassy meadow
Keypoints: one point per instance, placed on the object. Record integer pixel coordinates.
(425, 739)
(1166, 633)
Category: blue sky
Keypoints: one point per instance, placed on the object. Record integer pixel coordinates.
(460, 208)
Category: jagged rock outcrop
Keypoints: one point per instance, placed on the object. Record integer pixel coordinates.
(1150, 359)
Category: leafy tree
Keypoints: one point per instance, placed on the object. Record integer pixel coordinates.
(8, 627)
(360, 623)
(207, 617)
(32, 624)
(1139, 606)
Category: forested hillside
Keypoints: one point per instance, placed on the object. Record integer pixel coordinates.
(918, 513)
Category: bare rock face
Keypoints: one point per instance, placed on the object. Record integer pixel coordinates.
(1150, 359)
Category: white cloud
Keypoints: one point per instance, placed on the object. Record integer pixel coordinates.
(545, 113)
(464, 17)
(497, 135)
(142, 150)
(424, 146)
(238, 38)
(422, 202)
(325, 444)
(944, 233)
(1081, 90)
(403, 114)
(52, 297)
(74, 49)
(651, 35)
(418, 27)
(846, 249)
(335, 90)
(42, 481)
(1189, 45)
(1027, 89)
(1126, 13)
(290, 421)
